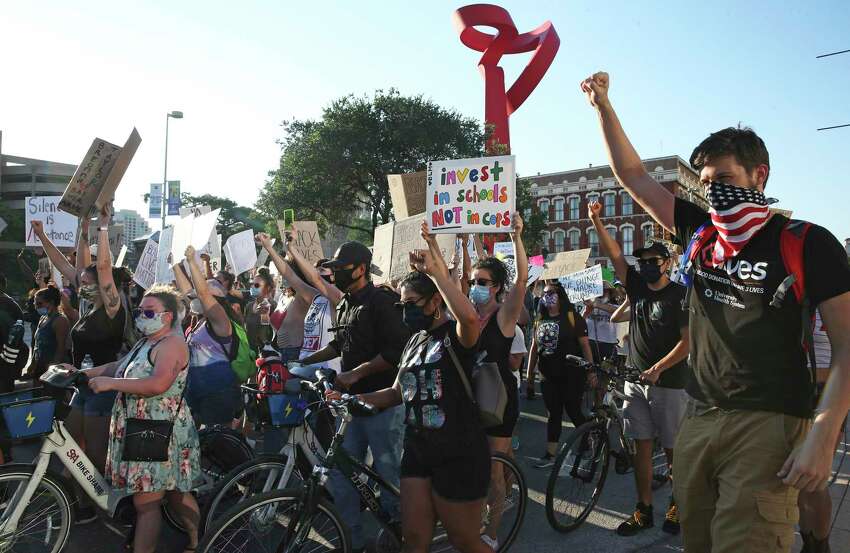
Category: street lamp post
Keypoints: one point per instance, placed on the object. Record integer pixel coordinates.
(175, 115)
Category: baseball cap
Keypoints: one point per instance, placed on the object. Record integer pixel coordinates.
(350, 253)
(655, 247)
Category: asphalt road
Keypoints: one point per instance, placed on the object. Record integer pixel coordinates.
(596, 535)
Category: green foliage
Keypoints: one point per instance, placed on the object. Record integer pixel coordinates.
(334, 170)
(18, 283)
(534, 221)
(233, 218)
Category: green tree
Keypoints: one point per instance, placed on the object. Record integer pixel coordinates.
(232, 219)
(334, 170)
(534, 221)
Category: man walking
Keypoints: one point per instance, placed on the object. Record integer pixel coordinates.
(658, 347)
(748, 442)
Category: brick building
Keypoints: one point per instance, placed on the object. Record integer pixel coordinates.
(564, 196)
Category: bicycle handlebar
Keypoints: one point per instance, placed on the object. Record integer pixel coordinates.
(346, 401)
(632, 375)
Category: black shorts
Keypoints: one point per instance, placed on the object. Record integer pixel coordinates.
(506, 429)
(457, 473)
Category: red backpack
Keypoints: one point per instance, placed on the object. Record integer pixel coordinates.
(272, 374)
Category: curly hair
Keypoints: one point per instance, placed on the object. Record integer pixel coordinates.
(498, 272)
(742, 143)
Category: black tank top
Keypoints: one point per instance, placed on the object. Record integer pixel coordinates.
(498, 349)
(97, 335)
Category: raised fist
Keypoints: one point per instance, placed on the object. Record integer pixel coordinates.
(596, 89)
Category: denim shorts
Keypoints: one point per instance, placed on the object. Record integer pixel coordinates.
(92, 404)
(218, 407)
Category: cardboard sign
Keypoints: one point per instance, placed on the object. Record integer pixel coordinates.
(196, 211)
(471, 195)
(565, 263)
(145, 273)
(583, 285)
(164, 266)
(503, 249)
(97, 177)
(307, 241)
(382, 250)
(240, 252)
(193, 231)
(403, 237)
(214, 252)
(407, 193)
(59, 226)
(116, 238)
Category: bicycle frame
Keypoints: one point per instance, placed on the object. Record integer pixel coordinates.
(82, 470)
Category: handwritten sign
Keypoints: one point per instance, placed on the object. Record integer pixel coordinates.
(565, 263)
(116, 238)
(307, 241)
(214, 251)
(196, 211)
(395, 240)
(59, 226)
(240, 252)
(145, 273)
(382, 250)
(407, 193)
(193, 231)
(164, 265)
(503, 249)
(94, 182)
(583, 285)
(471, 195)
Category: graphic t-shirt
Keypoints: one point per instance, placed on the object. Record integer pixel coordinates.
(317, 330)
(557, 336)
(657, 317)
(746, 354)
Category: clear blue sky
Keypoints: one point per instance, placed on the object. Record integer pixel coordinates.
(73, 71)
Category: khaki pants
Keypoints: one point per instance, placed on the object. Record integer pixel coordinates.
(730, 499)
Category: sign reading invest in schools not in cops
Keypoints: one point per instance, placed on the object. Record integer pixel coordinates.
(471, 195)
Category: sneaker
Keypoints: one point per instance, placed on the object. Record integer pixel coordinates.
(85, 515)
(659, 479)
(641, 519)
(544, 462)
(493, 543)
(671, 519)
(622, 464)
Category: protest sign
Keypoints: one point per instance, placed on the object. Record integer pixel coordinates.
(240, 252)
(119, 261)
(197, 211)
(534, 273)
(193, 231)
(407, 193)
(395, 240)
(583, 285)
(164, 266)
(59, 226)
(307, 241)
(263, 256)
(116, 238)
(145, 273)
(55, 276)
(382, 249)
(94, 182)
(565, 263)
(214, 251)
(471, 195)
(503, 249)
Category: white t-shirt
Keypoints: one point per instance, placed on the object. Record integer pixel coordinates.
(518, 345)
(600, 327)
(317, 334)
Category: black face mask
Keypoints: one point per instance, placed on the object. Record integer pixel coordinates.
(650, 273)
(415, 319)
(328, 278)
(343, 278)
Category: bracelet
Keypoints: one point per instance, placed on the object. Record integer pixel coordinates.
(102, 229)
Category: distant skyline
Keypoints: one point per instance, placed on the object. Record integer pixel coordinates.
(679, 71)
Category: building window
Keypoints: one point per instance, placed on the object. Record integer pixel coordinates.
(559, 240)
(559, 209)
(610, 205)
(628, 240)
(575, 237)
(646, 228)
(627, 207)
(594, 243)
(545, 240)
(612, 232)
(592, 198)
(574, 214)
(543, 205)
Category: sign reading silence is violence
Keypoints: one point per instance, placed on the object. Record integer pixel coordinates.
(471, 195)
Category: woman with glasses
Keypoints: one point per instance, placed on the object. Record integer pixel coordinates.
(445, 467)
(499, 311)
(151, 381)
(258, 310)
(559, 331)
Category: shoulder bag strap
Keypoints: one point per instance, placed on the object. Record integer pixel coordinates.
(460, 372)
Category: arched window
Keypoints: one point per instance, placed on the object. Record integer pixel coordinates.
(647, 232)
(627, 207)
(559, 235)
(575, 239)
(628, 240)
(574, 209)
(609, 205)
(593, 239)
(559, 209)
(543, 206)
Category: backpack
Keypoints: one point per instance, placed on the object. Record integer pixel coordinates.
(243, 359)
(791, 242)
(272, 374)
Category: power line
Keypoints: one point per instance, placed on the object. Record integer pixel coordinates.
(832, 54)
(834, 127)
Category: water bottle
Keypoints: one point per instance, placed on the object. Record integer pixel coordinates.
(16, 333)
(87, 363)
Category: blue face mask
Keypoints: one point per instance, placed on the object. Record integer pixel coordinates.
(43, 311)
(479, 295)
(255, 292)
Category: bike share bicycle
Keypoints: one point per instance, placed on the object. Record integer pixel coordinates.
(303, 519)
(36, 504)
(581, 467)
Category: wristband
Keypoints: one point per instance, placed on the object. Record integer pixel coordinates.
(102, 229)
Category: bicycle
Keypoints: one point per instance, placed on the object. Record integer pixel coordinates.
(35, 500)
(302, 519)
(584, 458)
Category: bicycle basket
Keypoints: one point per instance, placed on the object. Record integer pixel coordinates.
(29, 417)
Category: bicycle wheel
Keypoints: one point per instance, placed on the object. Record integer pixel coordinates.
(266, 523)
(259, 475)
(841, 452)
(46, 521)
(506, 503)
(578, 476)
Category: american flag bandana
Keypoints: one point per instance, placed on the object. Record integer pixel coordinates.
(737, 214)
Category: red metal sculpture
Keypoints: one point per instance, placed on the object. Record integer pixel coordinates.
(498, 104)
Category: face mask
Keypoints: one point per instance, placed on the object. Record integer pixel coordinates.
(43, 311)
(255, 292)
(650, 273)
(328, 278)
(89, 292)
(196, 307)
(548, 300)
(344, 278)
(415, 319)
(479, 295)
(149, 326)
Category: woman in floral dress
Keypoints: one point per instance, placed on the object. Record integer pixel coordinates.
(151, 380)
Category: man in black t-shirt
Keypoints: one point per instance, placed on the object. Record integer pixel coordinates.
(658, 347)
(748, 442)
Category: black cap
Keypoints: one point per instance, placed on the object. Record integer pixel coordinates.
(655, 247)
(350, 253)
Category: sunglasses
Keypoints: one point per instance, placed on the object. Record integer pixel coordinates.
(146, 313)
(402, 304)
(481, 282)
(651, 261)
